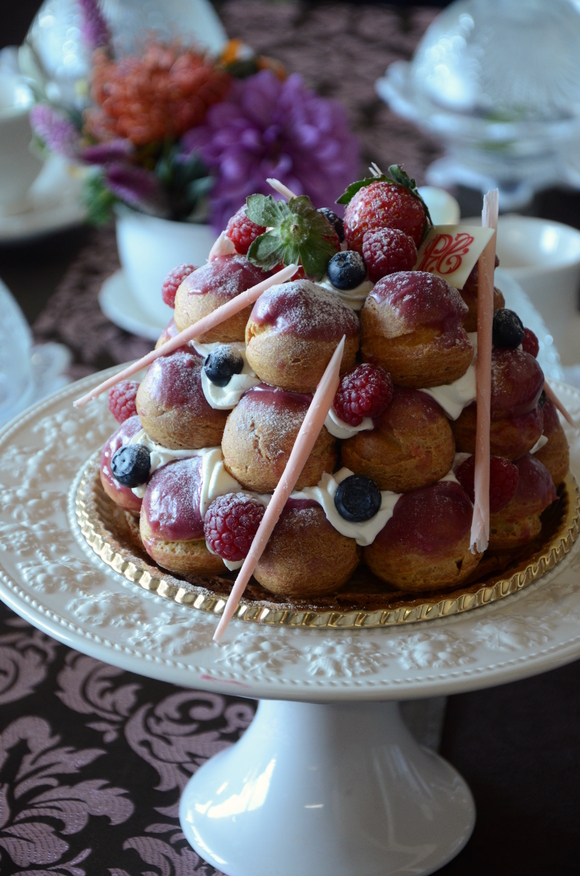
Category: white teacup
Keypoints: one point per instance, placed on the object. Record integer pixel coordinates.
(18, 166)
(149, 248)
(544, 258)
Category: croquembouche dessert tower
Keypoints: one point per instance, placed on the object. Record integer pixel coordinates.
(398, 448)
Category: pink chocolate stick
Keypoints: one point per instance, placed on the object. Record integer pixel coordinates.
(305, 440)
(480, 522)
(558, 404)
(281, 188)
(217, 316)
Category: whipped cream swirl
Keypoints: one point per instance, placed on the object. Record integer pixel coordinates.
(216, 481)
(353, 298)
(224, 398)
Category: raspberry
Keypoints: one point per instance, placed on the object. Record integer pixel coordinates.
(122, 402)
(503, 480)
(530, 343)
(242, 231)
(383, 205)
(386, 251)
(230, 524)
(366, 391)
(173, 281)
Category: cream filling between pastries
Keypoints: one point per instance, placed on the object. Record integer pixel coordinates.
(216, 481)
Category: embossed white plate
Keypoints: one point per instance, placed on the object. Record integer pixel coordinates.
(65, 590)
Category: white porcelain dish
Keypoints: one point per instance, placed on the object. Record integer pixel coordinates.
(149, 248)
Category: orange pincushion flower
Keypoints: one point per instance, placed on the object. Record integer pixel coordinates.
(158, 95)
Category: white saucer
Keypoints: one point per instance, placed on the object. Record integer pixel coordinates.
(53, 204)
(119, 305)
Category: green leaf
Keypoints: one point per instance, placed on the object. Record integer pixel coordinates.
(266, 251)
(199, 188)
(97, 200)
(299, 234)
(265, 211)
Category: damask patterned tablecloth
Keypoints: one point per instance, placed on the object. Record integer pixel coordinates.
(93, 759)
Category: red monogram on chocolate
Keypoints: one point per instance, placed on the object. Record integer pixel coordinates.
(444, 254)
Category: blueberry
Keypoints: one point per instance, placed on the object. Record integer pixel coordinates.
(222, 363)
(508, 329)
(357, 498)
(334, 220)
(347, 269)
(130, 465)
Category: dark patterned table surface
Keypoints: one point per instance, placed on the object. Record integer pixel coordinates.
(93, 759)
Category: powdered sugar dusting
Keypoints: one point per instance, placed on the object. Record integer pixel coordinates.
(305, 310)
(419, 298)
(175, 381)
(225, 277)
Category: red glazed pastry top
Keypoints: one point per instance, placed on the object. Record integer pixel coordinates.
(306, 311)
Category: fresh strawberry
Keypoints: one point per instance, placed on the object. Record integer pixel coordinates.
(386, 251)
(384, 202)
(503, 480)
(298, 234)
(366, 391)
(242, 231)
(173, 281)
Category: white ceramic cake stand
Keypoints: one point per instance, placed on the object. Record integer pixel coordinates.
(326, 781)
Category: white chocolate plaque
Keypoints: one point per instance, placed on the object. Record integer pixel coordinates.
(452, 251)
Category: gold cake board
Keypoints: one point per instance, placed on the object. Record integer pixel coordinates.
(363, 602)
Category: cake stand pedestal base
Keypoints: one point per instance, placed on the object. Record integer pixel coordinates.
(339, 789)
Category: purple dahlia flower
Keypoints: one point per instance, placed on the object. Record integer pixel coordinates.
(269, 128)
(56, 131)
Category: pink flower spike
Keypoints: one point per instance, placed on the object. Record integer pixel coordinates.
(305, 440)
(281, 188)
(217, 316)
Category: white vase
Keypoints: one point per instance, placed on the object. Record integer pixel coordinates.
(149, 248)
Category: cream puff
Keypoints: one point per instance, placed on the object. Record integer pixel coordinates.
(425, 544)
(172, 406)
(410, 446)
(208, 288)
(293, 330)
(259, 436)
(412, 325)
(171, 525)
